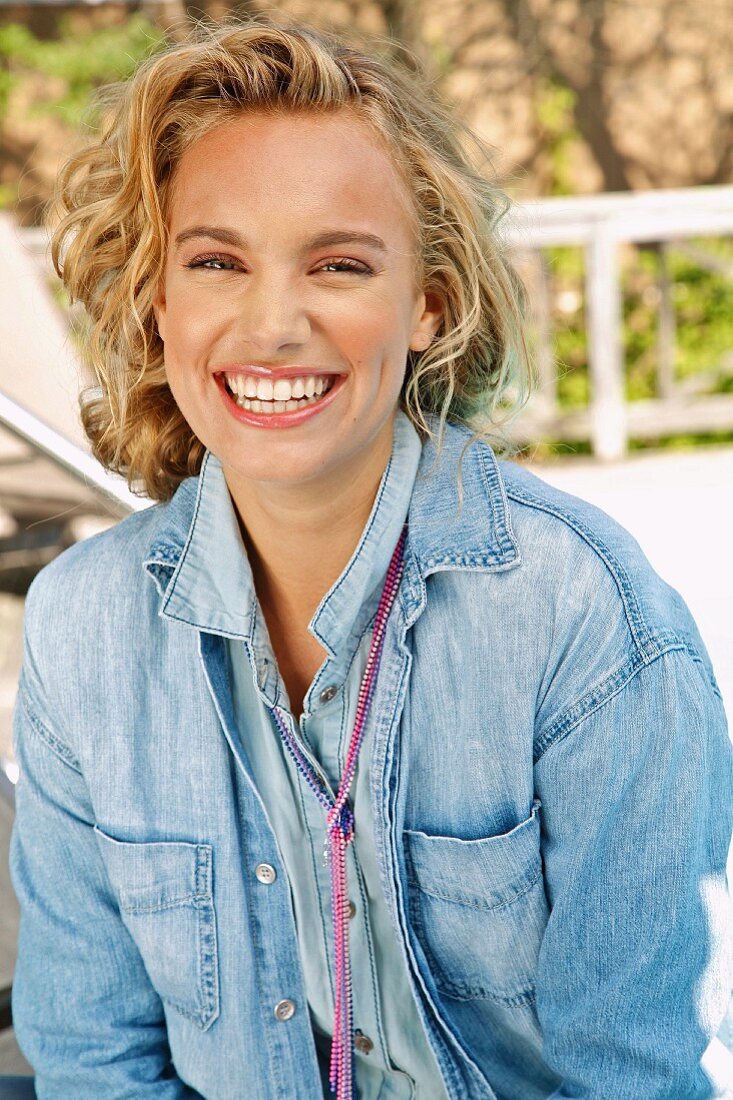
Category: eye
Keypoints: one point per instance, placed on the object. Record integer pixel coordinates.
(215, 258)
(217, 262)
(348, 265)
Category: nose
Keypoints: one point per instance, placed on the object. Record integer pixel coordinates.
(272, 315)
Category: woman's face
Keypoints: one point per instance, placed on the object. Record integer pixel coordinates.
(290, 258)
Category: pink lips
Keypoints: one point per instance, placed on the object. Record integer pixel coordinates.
(283, 419)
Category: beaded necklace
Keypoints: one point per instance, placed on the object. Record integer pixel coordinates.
(340, 833)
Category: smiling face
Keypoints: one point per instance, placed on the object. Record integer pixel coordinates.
(291, 255)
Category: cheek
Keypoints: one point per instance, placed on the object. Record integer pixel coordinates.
(187, 327)
(372, 333)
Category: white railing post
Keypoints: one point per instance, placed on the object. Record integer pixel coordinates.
(605, 358)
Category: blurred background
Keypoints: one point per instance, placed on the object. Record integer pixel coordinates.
(611, 127)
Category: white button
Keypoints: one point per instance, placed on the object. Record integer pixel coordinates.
(363, 1042)
(266, 873)
(284, 1010)
(327, 694)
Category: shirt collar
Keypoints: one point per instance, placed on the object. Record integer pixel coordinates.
(442, 535)
(212, 585)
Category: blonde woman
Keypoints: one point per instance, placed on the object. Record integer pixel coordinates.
(364, 763)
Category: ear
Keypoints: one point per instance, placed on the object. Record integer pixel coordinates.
(428, 323)
(159, 311)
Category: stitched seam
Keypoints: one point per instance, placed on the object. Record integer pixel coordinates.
(468, 992)
(189, 538)
(597, 697)
(194, 900)
(389, 725)
(206, 937)
(623, 582)
(194, 1016)
(704, 670)
(62, 751)
(507, 540)
(462, 989)
(470, 902)
(325, 920)
(357, 553)
(370, 954)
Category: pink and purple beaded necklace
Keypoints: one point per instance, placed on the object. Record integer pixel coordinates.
(340, 833)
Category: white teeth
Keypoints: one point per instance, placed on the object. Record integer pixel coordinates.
(281, 389)
(262, 395)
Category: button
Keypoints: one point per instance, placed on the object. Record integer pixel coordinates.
(284, 1010)
(352, 909)
(327, 694)
(363, 1042)
(262, 673)
(265, 873)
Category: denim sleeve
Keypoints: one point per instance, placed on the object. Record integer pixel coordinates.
(85, 1013)
(637, 805)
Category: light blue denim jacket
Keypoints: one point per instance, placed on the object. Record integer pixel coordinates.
(551, 783)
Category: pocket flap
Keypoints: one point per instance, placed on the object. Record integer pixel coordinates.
(157, 874)
(486, 873)
(164, 891)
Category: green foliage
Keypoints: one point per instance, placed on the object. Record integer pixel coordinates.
(75, 65)
(554, 105)
(688, 441)
(703, 308)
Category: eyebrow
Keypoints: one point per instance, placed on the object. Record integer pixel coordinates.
(322, 240)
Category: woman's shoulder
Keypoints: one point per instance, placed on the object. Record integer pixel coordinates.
(563, 558)
(100, 584)
(109, 557)
(593, 569)
(81, 608)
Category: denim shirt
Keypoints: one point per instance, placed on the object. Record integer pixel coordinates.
(550, 778)
(399, 1064)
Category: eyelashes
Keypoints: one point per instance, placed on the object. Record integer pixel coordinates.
(350, 265)
(345, 264)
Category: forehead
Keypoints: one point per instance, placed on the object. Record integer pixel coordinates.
(306, 168)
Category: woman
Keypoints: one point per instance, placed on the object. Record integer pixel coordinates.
(365, 762)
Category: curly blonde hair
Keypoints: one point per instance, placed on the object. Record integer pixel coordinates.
(109, 236)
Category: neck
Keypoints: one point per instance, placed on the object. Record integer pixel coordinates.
(299, 538)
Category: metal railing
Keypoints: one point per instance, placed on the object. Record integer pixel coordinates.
(72, 458)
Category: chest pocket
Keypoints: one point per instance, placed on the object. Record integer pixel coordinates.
(478, 909)
(164, 890)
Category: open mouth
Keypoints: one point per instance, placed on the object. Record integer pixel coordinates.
(261, 395)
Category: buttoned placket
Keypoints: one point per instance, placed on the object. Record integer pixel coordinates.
(322, 724)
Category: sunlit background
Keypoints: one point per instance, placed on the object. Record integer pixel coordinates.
(609, 123)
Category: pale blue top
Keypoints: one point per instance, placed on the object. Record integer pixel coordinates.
(400, 1064)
